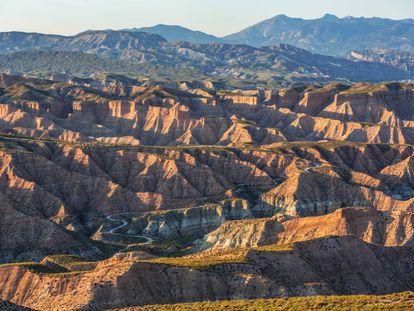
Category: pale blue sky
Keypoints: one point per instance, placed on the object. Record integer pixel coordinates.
(218, 17)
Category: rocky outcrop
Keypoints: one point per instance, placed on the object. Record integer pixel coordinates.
(192, 222)
(366, 224)
(241, 99)
(242, 234)
(311, 193)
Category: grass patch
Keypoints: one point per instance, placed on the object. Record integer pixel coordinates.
(317, 144)
(276, 248)
(204, 261)
(19, 264)
(61, 261)
(363, 88)
(276, 148)
(31, 266)
(218, 257)
(400, 301)
(69, 261)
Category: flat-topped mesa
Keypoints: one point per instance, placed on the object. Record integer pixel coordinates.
(314, 100)
(129, 108)
(252, 98)
(24, 106)
(88, 106)
(115, 108)
(373, 103)
(238, 99)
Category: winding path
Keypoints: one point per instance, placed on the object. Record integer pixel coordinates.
(115, 218)
(313, 165)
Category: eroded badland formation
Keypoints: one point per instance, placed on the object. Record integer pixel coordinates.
(116, 192)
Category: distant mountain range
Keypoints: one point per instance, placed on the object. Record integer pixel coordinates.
(399, 59)
(328, 35)
(150, 54)
(101, 42)
(252, 54)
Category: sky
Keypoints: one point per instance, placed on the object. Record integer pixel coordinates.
(217, 17)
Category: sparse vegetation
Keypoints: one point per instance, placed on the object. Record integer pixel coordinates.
(34, 267)
(400, 301)
(276, 248)
(77, 63)
(204, 261)
(365, 88)
(69, 261)
(315, 144)
(219, 257)
(209, 148)
(62, 265)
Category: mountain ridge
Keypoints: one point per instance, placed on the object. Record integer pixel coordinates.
(342, 34)
(221, 60)
(402, 60)
(179, 33)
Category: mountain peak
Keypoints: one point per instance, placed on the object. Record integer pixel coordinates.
(178, 33)
(330, 17)
(281, 16)
(349, 33)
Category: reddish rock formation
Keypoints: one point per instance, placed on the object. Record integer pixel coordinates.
(143, 170)
(326, 266)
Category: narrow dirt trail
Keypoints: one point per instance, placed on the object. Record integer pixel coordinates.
(115, 218)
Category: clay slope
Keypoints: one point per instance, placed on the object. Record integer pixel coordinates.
(121, 110)
(326, 266)
(367, 224)
(118, 192)
(58, 188)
